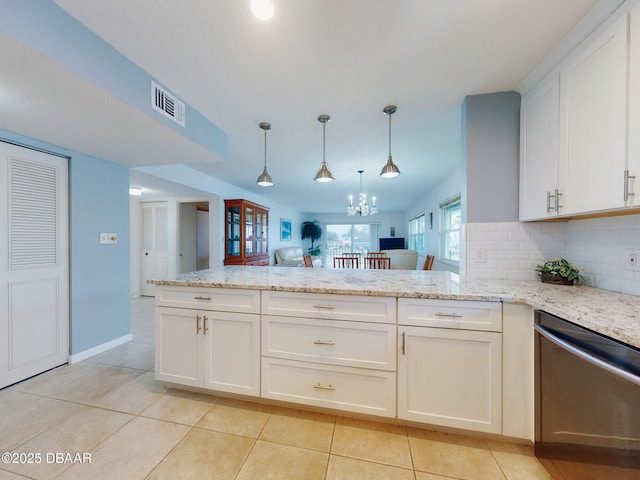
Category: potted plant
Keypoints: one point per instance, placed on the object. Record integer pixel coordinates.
(313, 231)
(559, 271)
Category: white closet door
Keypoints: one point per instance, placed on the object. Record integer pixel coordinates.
(155, 244)
(34, 263)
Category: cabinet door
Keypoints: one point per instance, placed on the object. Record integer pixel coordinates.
(178, 346)
(232, 352)
(593, 110)
(450, 378)
(539, 151)
(633, 159)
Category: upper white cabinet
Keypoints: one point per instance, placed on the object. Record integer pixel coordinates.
(539, 117)
(633, 152)
(579, 148)
(593, 113)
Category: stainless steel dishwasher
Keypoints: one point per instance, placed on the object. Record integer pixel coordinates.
(587, 402)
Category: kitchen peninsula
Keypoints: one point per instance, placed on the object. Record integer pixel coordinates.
(411, 346)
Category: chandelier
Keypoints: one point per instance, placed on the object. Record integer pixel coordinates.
(362, 209)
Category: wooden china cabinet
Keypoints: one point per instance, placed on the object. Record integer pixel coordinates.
(247, 233)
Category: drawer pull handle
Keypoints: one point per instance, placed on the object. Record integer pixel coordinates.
(324, 342)
(323, 387)
(198, 328)
(205, 325)
(453, 315)
(325, 307)
(202, 298)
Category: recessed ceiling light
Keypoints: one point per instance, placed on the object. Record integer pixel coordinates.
(262, 9)
(135, 191)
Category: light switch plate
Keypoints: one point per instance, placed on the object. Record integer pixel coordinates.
(108, 238)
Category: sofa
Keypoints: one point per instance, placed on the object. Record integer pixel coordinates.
(292, 257)
(402, 259)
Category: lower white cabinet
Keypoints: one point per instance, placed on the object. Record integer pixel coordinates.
(331, 386)
(450, 378)
(208, 349)
(439, 362)
(329, 351)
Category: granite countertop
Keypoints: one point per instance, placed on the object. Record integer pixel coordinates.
(613, 314)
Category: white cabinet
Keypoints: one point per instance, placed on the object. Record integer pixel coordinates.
(216, 350)
(335, 351)
(450, 376)
(633, 152)
(580, 128)
(593, 115)
(539, 116)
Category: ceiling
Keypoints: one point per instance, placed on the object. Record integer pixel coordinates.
(345, 58)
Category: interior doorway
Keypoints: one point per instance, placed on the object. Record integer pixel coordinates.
(193, 226)
(155, 244)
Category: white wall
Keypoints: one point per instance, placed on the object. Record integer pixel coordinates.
(430, 203)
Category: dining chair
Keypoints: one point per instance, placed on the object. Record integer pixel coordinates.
(428, 262)
(346, 262)
(350, 254)
(376, 254)
(378, 263)
(308, 261)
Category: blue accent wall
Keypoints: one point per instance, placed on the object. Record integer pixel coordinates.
(99, 202)
(491, 152)
(99, 274)
(50, 30)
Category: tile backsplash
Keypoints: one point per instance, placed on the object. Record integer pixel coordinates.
(511, 250)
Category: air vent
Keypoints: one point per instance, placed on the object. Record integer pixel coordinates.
(167, 104)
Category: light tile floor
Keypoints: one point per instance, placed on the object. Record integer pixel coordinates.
(111, 407)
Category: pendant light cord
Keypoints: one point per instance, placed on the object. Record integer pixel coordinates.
(389, 134)
(324, 129)
(265, 149)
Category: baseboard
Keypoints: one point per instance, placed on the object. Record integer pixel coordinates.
(78, 357)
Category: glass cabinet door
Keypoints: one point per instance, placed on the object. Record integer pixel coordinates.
(248, 232)
(258, 234)
(233, 234)
(265, 233)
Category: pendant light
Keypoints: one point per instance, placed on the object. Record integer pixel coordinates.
(324, 175)
(390, 169)
(265, 180)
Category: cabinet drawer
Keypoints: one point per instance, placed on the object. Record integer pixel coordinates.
(344, 388)
(359, 308)
(466, 315)
(354, 344)
(221, 299)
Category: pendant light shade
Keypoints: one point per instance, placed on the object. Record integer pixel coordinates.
(390, 169)
(324, 175)
(265, 180)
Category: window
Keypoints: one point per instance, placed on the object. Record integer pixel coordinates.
(358, 237)
(416, 233)
(451, 215)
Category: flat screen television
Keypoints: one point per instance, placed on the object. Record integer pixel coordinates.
(392, 243)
